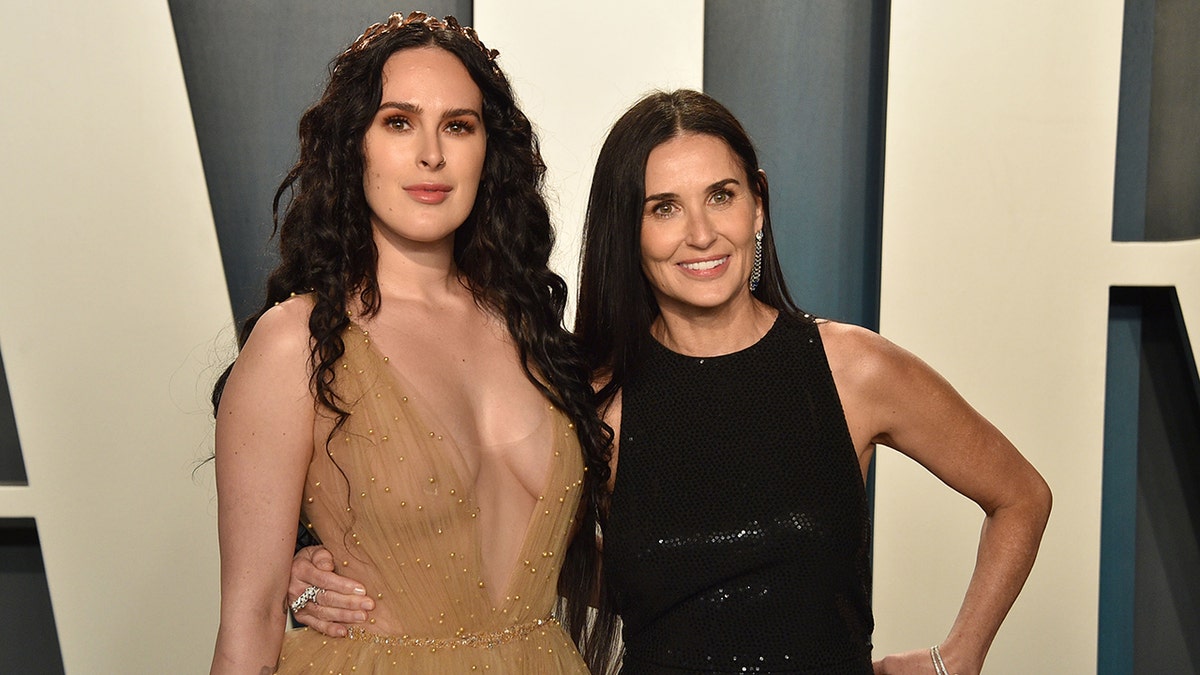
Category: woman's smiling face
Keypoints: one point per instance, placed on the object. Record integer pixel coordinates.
(698, 224)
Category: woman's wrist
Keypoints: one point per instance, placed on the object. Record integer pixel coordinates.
(955, 658)
(939, 666)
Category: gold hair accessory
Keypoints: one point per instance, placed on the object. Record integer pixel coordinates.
(396, 22)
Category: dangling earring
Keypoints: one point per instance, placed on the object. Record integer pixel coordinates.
(756, 271)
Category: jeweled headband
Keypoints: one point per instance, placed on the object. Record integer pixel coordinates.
(396, 22)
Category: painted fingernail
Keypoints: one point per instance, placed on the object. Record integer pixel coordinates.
(359, 590)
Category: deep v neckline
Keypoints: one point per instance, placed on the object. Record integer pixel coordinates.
(404, 390)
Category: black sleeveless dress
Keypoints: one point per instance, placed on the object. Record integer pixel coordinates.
(739, 534)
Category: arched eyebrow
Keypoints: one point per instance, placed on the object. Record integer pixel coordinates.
(671, 195)
(414, 109)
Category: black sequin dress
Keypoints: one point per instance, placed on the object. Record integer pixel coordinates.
(739, 533)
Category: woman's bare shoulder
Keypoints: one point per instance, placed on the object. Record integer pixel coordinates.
(282, 328)
(849, 347)
(865, 361)
(846, 336)
(267, 390)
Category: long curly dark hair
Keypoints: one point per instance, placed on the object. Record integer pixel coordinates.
(616, 304)
(501, 253)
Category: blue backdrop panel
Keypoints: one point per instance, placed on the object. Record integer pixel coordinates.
(1150, 541)
(1118, 501)
(808, 80)
(251, 69)
(1167, 585)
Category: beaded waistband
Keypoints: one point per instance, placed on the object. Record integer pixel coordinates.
(484, 640)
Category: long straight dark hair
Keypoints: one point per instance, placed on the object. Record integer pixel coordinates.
(501, 252)
(616, 305)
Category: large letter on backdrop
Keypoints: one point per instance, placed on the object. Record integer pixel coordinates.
(997, 262)
(111, 299)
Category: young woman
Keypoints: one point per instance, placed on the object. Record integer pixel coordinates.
(738, 533)
(407, 390)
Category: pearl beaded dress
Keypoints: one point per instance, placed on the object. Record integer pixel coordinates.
(739, 534)
(401, 514)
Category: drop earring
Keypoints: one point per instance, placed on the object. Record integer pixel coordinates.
(756, 271)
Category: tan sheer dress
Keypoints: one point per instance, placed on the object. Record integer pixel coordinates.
(398, 510)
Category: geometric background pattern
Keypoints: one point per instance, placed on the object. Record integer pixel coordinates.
(996, 256)
(1150, 544)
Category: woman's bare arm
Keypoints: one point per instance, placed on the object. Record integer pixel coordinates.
(264, 444)
(893, 398)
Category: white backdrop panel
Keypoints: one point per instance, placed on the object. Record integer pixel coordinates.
(997, 260)
(576, 67)
(111, 301)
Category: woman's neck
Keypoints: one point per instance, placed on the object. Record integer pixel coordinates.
(712, 332)
(423, 273)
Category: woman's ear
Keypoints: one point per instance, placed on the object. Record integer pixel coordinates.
(760, 182)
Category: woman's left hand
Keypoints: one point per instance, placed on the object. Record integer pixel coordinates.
(916, 662)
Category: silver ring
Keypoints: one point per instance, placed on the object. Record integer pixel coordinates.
(309, 595)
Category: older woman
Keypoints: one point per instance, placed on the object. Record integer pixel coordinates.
(738, 533)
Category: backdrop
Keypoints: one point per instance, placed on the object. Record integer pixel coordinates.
(943, 168)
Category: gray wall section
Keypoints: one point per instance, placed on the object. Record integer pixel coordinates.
(28, 638)
(1166, 626)
(12, 465)
(1157, 190)
(1149, 620)
(251, 70)
(1173, 173)
(808, 80)
(1133, 122)
(1150, 526)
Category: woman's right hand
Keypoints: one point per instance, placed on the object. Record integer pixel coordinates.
(341, 601)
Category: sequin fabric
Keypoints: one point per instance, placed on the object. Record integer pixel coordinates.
(404, 520)
(739, 533)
